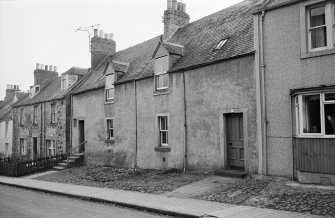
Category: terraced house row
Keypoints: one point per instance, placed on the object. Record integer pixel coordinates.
(249, 88)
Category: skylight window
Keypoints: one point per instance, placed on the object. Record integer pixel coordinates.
(221, 44)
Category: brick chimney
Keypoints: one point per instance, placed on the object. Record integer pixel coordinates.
(10, 91)
(44, 74)
(101, 46)
(175, 16)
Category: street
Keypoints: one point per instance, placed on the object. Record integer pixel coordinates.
(15, 203)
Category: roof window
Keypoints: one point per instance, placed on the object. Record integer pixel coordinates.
(221, 44)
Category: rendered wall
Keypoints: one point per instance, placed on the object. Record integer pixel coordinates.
(285, 70)
(6, 138)
(89, 107)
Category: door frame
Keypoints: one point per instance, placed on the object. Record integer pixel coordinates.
(82, 147)
(223, 134)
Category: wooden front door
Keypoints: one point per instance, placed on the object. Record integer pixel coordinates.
(235, 141)
(81, 136)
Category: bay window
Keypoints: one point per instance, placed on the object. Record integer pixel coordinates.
(315, 114)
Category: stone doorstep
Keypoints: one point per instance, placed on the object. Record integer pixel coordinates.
(230, 173)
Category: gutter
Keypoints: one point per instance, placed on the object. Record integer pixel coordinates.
(189, 68)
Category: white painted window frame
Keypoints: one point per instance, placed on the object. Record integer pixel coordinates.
(22, 120)
(108, 90)
(299, 115)
(305, 25)
(108, 127)
(52, 147)
(53, 113)
(35, 115)
(161, 73)
(161, 131)
(23, 146)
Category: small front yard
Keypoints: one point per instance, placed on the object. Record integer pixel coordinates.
(141, 180)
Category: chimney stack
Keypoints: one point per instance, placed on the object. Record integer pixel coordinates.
(175, 17)
(44, 74)
(102, 45)
(10, 91)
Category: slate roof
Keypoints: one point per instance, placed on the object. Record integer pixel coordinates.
(51, 91)
(199, 39)
(76, 71)
(5, 112)
(272, 4)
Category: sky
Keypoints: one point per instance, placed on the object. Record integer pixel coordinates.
(44, 31)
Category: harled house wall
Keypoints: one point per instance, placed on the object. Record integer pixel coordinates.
(286, 70)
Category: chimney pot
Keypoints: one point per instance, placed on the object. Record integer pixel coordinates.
(179, 6)
(174, 4)
(106, 35)
(95, 32)
(50, 67)
(184, 7)
(169, 4)
(111, 36)
(55, 68)
(37, 65)
(101, 33)
(46, 67)
(42, 66)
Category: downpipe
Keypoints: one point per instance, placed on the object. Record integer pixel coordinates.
(185, 127)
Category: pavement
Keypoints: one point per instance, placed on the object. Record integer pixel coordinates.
(182, 207)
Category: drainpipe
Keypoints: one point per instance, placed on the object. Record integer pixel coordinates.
(185, 125)
(69, 148)
(293, 141)
(135, 95)
(41, 132)
(44, 130)
(263, 97)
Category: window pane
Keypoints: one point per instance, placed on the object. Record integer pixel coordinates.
(164, 138)
(165, 80)
(330, 97)
(163, 123)
(311, 114)
(319, 37)
(330, 119)
(158, 65)
(165, 62)
(317, 16)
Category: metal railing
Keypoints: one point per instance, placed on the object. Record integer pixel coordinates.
(69, 153)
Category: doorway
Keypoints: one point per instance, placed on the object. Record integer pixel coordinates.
(81, 125)
(235, 141)
(35, 147)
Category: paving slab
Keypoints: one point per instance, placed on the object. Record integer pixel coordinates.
(159, 203)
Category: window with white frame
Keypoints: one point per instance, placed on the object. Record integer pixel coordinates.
(53, 113)
(51, 147)
(22, 116)
(163, 130)
(320, 26)
(315, 114)
(161, 75)
(109, 87)
(23, 146)
(110, 128)
(35, 115)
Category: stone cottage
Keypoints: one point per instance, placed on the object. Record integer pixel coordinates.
(185, 99)
(40, 120)
(294, 64)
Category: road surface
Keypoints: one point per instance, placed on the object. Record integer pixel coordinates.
(16, 203)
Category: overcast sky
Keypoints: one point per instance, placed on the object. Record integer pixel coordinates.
(43, 31)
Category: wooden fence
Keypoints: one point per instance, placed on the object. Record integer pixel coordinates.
(20, 167)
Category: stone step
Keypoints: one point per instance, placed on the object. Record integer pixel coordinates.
(62, 164)
(69, 161)
(78, 154)
(230, 173)
(58, 168)
(74, 157)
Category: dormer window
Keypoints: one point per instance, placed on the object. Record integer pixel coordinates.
(68, 80)
(221, 44)
(161, 75)
(34, 91)
(109, 87)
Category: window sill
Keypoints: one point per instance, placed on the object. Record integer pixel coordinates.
(110, 140)
(315, 136)
(162, 92)
(163, 149)
(317, 53)
(109, 101)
